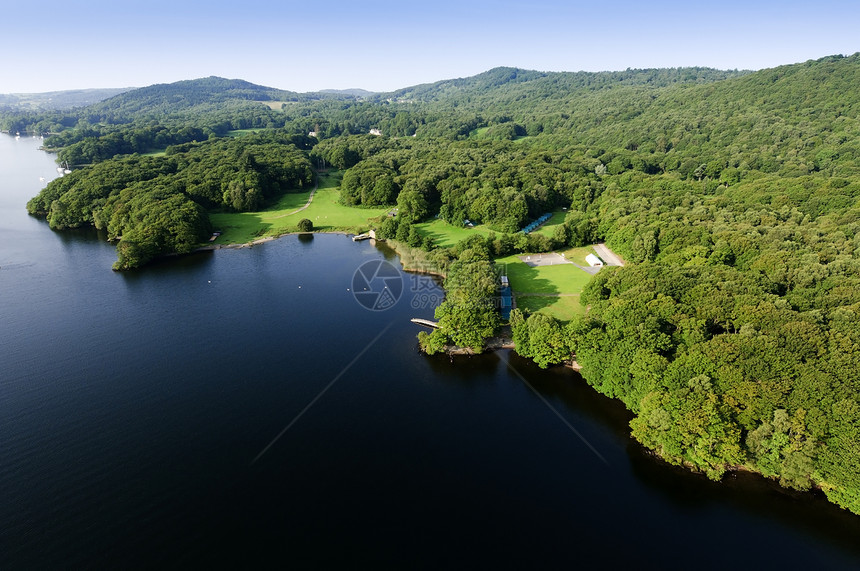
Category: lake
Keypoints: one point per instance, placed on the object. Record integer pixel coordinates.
(243, 407)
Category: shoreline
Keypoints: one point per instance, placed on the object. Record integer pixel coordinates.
(495, 343)
(505, 341)
(263, 240)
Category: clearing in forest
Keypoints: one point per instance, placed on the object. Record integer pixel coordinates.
(325, 212)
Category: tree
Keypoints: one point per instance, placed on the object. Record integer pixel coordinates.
(468, 314)
(305, 225)
(541, 338)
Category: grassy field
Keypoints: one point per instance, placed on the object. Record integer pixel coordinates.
(548, 228)
(281, 218)
(274, 105)
(554, 290)
(478, 133)
(563, 308)
(577, 255)
(445, 235)
(481, 132)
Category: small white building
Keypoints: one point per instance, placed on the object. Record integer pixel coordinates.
(376, 132)
(593, 261)
(312, 134)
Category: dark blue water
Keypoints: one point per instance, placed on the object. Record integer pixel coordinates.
(133, 406)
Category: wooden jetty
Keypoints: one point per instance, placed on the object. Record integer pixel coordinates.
(365, 236)
(425, 322)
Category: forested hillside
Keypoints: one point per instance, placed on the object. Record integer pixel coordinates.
(733, 334)
(157, 205)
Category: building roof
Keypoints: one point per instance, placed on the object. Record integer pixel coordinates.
(593, 260)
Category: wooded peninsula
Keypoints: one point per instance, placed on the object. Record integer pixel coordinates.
(732, 333)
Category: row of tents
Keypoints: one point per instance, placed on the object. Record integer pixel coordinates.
(537, 223)
(505, 297)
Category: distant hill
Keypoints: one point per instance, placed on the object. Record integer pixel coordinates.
(355, 92)
(517, 82)
(195, 96)
(170, 98)
(57, 100)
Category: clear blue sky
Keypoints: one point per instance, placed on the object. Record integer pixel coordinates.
(381, 45)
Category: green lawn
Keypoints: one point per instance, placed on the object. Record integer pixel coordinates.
(325, 212)
(445, 235)
(563, 308)
(478, 133)
(561, 285)
(577, 255)
(482, 131)
(548, 228)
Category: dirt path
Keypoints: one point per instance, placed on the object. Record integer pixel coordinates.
(308, 203)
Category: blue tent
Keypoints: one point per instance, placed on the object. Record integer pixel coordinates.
(507, 303)
(536, 224)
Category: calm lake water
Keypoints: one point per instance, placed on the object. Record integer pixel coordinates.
(133, 407)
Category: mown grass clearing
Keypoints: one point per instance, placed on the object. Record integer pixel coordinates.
(446, 235)
(563, 308)
(577, 255)
(549, 227)
(478, 133)
(554, 290)
(281, 218)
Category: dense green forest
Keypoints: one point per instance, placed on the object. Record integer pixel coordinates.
(733, 334)
(158, 205)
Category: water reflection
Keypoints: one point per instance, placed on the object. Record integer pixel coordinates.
(463, 369)
(805, 512)
(166, 265)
